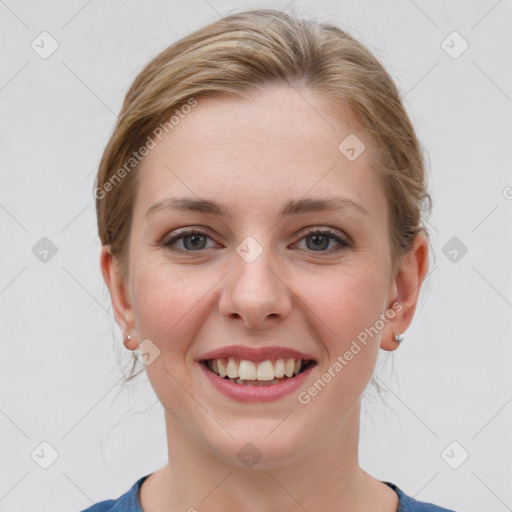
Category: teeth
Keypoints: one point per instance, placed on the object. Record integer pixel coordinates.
(245, 370)
(290, 366)
(221, 366)
(265, 371)
(232, 368)
(255, 382)
(279, 369)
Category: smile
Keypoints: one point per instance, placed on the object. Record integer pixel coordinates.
(263, 373)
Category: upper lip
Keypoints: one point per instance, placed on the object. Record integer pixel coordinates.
(255, 354)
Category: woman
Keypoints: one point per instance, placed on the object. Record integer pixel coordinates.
(259, 205)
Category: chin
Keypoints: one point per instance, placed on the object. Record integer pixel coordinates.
(254, 450)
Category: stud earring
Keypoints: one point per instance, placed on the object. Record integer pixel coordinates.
(399, 338)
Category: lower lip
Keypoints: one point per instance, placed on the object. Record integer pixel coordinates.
(244, 393)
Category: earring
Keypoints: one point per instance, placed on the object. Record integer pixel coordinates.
(399, 338)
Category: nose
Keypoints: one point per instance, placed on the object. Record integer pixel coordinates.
(255, 292)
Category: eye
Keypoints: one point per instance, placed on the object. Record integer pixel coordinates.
(192, 239)
(320, 240)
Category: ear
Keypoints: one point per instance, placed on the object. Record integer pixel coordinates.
(405, 290)
(123, 311)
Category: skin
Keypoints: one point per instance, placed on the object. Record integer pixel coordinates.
(253, 155)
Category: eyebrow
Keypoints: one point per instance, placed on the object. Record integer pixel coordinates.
(292, 207)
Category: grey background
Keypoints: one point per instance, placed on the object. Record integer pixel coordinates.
(60, 348)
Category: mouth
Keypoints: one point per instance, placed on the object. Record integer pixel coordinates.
(263, 373)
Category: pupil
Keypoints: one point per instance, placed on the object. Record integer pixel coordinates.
(319, 245)
(194, 243)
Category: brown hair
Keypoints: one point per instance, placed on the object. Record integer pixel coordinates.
(237, 55)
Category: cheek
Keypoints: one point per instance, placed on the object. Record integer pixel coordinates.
(345, 301)
(166, 307)
(166, 302)
(345, 306)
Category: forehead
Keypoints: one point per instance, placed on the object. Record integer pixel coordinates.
(281, 141)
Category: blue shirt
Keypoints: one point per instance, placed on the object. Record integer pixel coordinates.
(130, 502)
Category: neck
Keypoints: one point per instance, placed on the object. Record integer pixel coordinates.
(324, 475)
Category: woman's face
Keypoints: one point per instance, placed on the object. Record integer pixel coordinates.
(255, 277)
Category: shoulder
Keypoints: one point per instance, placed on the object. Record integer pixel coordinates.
(409, 504)
(128, 502)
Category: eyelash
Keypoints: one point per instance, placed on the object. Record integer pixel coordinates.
(343, 242)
